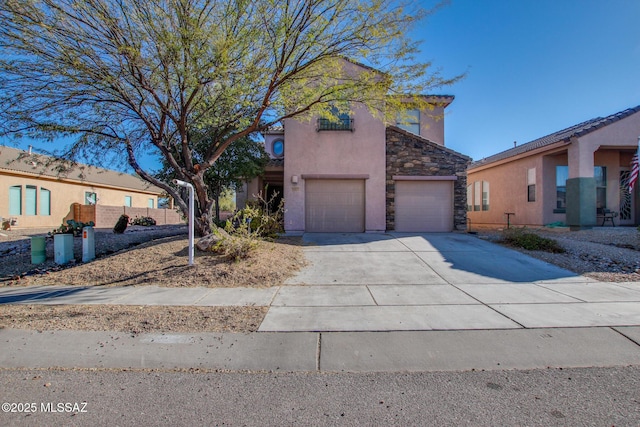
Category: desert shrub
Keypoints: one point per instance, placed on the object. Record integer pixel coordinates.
(121, 225)
(523, 238)
(145, 221)
(239, 242)
(262, 220)
(71, 227)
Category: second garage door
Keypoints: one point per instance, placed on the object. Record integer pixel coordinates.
(334, 205)
(424, 206)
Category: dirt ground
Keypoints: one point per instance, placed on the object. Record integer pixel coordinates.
(158, 256)
(155, 256)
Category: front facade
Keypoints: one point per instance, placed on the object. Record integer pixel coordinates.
(567, 178)
(360, 174)
(35, 194)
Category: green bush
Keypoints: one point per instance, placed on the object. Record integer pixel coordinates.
(71, 227)
(145, 221)
(522, 238)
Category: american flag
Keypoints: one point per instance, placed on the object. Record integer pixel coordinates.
(635, 168)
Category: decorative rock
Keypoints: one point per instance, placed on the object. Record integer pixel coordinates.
(206, 243)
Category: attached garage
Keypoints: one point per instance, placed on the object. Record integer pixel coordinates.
(424, 206)
(335, 205)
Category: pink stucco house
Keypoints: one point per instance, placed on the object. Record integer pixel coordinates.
(571, 177)
(360, 174)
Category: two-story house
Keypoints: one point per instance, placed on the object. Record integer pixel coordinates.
(361, 174)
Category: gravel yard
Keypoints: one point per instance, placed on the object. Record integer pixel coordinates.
(608, 254)
(140, 256)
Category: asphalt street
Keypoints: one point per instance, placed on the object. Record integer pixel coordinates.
(547, 397)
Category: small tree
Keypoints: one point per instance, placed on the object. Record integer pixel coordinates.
(132, 76)
(244, 159)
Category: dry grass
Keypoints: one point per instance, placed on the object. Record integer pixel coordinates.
(133, 319)
(164, 262)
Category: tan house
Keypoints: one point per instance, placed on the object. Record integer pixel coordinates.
(38, 193)
(570, 177)
(360, 174)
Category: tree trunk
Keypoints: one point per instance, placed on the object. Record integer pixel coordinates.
(217, 200)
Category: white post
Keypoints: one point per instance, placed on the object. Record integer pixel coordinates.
(191, 215)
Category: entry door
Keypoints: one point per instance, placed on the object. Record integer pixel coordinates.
(627, 208)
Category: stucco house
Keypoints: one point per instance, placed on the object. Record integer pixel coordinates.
(568, 177)
(38, 193)
(361, 174)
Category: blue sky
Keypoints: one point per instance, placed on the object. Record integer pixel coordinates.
(533, 66)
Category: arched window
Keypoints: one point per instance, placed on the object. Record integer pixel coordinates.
(15, 200)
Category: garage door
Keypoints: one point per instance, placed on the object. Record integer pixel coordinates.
(334, 205)
(424, 206)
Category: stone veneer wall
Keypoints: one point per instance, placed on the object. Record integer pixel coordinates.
(410, 155)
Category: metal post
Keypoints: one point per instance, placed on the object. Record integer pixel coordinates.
(191, 215)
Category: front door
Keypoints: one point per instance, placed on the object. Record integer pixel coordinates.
(627, 211)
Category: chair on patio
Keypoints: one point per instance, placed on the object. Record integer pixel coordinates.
(606, 215)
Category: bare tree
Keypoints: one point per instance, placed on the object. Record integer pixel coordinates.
(129, 76)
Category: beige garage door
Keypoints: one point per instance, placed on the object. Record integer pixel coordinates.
(424, 206)
(334, 205)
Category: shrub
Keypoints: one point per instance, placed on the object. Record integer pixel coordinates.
(239, 243)
(121, 225)
(71, 227)
(145, 221)
(522, 238)
(261, 219)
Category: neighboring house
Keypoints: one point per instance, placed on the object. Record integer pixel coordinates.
(37, 193)
(568, 177)
(360, 174)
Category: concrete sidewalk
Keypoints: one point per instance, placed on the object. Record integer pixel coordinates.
(368, 302)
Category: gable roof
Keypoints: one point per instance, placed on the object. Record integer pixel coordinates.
(13, 159)
(564, 135)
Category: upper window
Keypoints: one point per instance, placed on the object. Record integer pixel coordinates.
(15, 200)
(409, 121)
(151, 203)
(338, 121)
(277, 148)
(127, 201)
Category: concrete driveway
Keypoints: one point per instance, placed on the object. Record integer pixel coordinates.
(439, 281)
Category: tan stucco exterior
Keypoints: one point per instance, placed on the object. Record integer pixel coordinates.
(64, 191)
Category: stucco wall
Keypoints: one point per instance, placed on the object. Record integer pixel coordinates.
(408, 155)
(63, 195)
(508, 193)
(357, 152)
